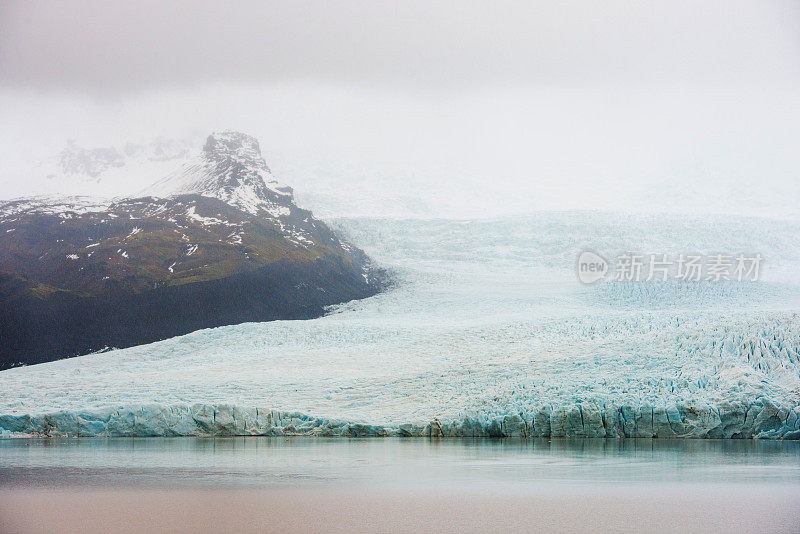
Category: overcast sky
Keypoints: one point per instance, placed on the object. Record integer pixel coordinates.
(490, 108)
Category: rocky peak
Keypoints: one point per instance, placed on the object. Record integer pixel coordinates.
(230, 168)
(228, 145)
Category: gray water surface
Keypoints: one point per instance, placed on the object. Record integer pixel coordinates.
(281, 462)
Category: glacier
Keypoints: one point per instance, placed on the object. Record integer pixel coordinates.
(485, 332)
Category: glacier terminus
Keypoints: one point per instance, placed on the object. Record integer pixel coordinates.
(485, 331)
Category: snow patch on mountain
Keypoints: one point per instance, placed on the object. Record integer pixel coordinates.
(54, 205)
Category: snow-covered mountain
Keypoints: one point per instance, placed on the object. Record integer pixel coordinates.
(229, 168)
(219, 221)
(108, 171)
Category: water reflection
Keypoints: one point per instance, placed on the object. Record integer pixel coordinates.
(479, 462)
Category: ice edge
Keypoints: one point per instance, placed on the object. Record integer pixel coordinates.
(763, 418)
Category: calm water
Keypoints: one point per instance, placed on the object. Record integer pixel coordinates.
(393, 485)
(281, 462)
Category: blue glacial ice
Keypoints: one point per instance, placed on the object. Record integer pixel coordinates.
(486, 333)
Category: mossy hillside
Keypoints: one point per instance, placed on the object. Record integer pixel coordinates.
(141, 244)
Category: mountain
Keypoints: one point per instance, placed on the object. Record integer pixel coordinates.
(231, 169)
(220, 241)
(107, 171)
